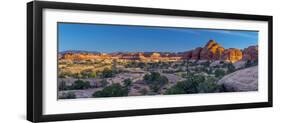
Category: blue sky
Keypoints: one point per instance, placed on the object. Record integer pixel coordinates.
(115, 38)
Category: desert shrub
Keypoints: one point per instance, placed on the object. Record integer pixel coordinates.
(79, 84)
(64, 74)
(88, 73)
(205, 69)
(208, 86)
(193, 84)
(141, 65)
(107, 73)
(104, 83)
(206, 64)
(176, 89)
(78, 75)
(183, 75)
(114, 90)
(68, 95)
(230, 68)
(248, 63)
(93, 74)
(155, 81)
(219, 73)
(127, 82)
(210, 70)
(165, 65)
(251, 63)
(184, 87)
(255, 62)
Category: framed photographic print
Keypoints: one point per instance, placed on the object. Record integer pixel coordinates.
(95, 61)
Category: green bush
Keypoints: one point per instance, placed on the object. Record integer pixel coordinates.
(114, 90)
(127, 82)
(177, 89)
(88, 73)
(251, 63)
(230, 68)
(155, 81)
(184, 87)
(78, 75)
(79, 84)
(64, 74)
(107, 73)
(93, 75)
(208, 86)
(104, 83)
(195, 84)
(219, 73)
(206, 64)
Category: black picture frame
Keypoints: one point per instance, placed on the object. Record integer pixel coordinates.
(35, 69)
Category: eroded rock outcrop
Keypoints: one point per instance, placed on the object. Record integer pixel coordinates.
(196, 53)
(187, 55)
(232, 55)
(250, 53)
(211, 51)
(214, 51)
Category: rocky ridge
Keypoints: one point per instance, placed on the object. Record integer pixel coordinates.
(211, 51)
(214, 51)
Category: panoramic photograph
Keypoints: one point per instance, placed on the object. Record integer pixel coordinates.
(103, 60)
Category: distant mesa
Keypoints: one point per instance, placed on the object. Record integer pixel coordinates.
(79, 51)
(211, 51)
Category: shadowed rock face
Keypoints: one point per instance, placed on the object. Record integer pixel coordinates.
(250, 53)
(241, 80)
(196, 53)
(187, 55)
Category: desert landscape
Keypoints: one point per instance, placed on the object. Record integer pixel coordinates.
(210, 68)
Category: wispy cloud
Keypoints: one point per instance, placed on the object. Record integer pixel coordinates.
(225, 32)
(233, 33)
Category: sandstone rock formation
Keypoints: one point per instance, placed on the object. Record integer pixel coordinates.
(187, 55)
(232, 55)
(250, 53)
(81, 56)
(241, 80)
(214, 51)
(211, 51)
(196, 53)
